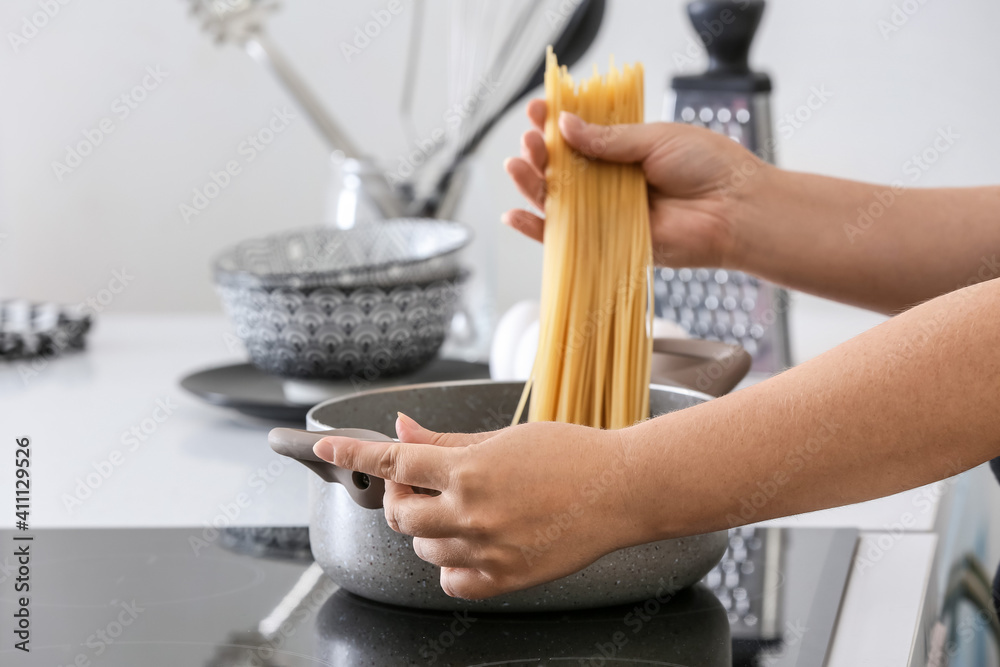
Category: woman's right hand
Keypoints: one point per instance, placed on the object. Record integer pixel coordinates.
(701, 184)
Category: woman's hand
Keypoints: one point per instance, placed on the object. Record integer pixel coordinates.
(517, 507)
(700, 183)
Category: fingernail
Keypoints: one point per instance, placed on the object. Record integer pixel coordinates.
(570, 121)
(507, 219)
(506, 163)
(403, 420)
(324, 450)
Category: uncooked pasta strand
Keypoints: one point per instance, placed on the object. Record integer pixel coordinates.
(595, 343)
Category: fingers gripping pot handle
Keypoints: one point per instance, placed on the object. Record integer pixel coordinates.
(297, 444)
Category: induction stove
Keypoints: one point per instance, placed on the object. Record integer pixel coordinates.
(242, 597)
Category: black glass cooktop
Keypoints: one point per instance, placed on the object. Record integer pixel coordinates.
(252, 597)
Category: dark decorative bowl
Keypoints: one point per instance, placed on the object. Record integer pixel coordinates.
(372, 301)
(29, 330)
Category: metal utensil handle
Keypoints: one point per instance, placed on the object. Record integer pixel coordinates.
(706, 366)
(576, 37)
(297, 444)
(263, 51)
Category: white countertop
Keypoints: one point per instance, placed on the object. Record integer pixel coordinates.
(78, 408)
(201, 465)
(885, 611)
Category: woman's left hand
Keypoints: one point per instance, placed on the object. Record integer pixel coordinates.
(517, 507)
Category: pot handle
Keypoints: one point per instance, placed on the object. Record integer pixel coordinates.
(297, 444)
(703, 365)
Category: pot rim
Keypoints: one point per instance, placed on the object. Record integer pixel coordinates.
(311, 420)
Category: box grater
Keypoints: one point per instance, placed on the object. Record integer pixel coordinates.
(730, 99)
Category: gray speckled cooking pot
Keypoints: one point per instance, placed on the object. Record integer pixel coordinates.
(357, 549)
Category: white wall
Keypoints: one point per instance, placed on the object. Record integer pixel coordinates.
(119, 209)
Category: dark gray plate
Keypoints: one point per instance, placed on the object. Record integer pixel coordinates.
(251, 391)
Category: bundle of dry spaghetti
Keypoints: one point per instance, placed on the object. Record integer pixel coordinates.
(595, 343)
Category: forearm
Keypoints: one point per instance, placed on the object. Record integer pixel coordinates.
(912, 401)
(873, 246)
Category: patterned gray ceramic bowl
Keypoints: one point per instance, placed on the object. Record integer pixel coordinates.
(327, 332)
(385, 253)
(325, 303)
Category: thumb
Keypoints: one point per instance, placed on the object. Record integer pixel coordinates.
(407, 430)
(614, 143)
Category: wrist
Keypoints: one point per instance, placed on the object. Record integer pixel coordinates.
(639, 520)
(750, 201)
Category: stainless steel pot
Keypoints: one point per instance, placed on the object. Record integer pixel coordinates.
(354, 545)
